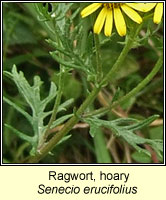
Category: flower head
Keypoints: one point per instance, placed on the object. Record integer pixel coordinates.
(112, 12)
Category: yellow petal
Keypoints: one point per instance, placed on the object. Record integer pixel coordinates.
(148, 6)
(131, 13)
(100, 21)
(90, 9)
(108, 23)
(158, 13)
(119, 22)
(144, 7)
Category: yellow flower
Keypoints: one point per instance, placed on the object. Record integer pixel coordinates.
(112, 12)
(158, 12)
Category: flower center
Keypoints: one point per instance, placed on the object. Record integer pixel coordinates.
(112, 5)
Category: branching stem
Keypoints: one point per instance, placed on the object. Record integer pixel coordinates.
(69, 124)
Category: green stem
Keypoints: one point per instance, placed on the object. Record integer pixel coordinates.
(101, 151)
(142, 84)
(68, 126)
(129, 43)
(57, 102)
(59, 94)
(132, 93)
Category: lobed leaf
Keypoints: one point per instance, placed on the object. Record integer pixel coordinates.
(121, 129)
(31, 95)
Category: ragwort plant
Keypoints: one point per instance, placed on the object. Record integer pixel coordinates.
(77, 44)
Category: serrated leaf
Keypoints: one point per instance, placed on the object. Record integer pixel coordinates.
(68, 45)
(57, 47)
(125, 131)
(142, 124)
(32, 96)
(68, 64)
(62, 9)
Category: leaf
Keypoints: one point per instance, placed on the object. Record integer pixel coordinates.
(121, 129)
(52, 94)
(68, 64)
(57, 47)
(63, 106)
(60, 120)
(142, 124)
(93, 128)
(31, 95)
(16, 107)
(20, 134)
(68, 44)
(64, 139)
(62, 9)
(44, 15)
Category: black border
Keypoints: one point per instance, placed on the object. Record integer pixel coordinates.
(81, 164)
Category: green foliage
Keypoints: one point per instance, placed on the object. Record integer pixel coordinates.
(121, 128)
(52, 43)
(31, 95)
(75, 46)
